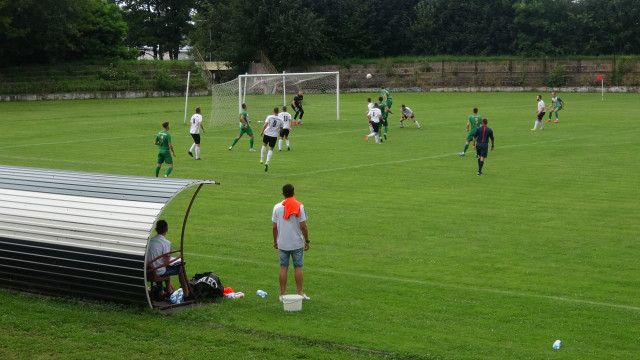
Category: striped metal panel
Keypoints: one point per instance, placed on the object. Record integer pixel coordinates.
(82, 234)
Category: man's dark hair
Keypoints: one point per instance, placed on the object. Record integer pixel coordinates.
(276, 110)
(161, 227)
(485, 121)
(165, 124)
(380, 98)
(244, 106)
(475, 110)
(287, 190)
(284, 108)
(198, 110)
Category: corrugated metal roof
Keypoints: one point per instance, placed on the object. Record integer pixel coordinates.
(71, 227)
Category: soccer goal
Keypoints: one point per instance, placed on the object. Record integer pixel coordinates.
(262, 92)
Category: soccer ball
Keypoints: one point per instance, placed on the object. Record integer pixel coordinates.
(369, 76)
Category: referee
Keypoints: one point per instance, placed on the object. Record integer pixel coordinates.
(481, 143)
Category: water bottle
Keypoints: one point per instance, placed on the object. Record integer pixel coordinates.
(261, 293)
(557, 344)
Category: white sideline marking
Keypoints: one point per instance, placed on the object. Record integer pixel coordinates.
(444, 285)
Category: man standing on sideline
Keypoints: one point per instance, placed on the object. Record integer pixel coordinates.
(196, 125)
(481, 143)
(245, 128)
(159, 245)
(289, 231)
(165, 149)
(296, 104)
(286, 127)
(473, 121)
(557, 104)
(540, 114)
(407, 113)
(374, 123)
(269, 133)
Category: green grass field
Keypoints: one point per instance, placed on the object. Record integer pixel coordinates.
(412, 255)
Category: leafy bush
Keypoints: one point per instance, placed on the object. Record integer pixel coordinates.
(556, 77)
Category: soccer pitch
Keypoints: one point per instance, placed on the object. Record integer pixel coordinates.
(412, 255)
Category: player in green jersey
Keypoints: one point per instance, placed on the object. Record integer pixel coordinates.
(245, 128)
(386, 97)
(165, 149)
(473, 122)
(557, 104)
(384, 108)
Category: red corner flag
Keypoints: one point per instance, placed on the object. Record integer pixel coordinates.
(599, 78)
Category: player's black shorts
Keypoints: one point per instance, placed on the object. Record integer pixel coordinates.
(375, 126)
(284, 132)
(541, 115)
(269, 140)
(482, 149)
(196, 138)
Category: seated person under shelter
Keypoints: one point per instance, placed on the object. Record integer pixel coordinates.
(167, 266)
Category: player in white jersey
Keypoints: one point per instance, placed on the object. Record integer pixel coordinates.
(286, 127)
(270, 130)
(369, 107)
(375, 115)
(539, 114)
(196, 125)
(407, 113)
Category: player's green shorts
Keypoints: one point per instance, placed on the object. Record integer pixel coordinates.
(245, 130)
(389, 102)
(557, 108)
(470, 136)
(384, 122)
(165, 157)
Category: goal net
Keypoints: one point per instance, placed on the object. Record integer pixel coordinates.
(263, 92)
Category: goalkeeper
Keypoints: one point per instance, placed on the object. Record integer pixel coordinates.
(296, 104)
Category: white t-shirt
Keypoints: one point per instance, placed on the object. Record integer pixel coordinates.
(289, 234)
(540, 106)
(375, 115)
(196, 120)
(274, 125)
(158, 245)
(407, 111)
(286, 120)
(370, 106)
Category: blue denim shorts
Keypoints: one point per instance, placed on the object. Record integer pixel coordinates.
(172, 270)
(297, 257)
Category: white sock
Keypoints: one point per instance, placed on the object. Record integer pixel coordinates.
(192, 146)
(377, 138)
(535, 125)
(370, 135)
(287, 142)
(280, 144)
(269, 155)
(417, 124)
(262, 151)
(197, 152)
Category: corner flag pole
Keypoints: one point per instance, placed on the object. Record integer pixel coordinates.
(601, 78)
(186, 97)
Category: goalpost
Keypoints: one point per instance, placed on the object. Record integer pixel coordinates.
(262, 92)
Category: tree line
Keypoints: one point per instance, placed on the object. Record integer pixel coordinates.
(297, 32)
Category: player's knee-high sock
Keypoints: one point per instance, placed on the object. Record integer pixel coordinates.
(287, 142)
(377, 138)
(386, 129)
(251, 143)
(269, 155)
(557, 114)
(263, 150)
(550, 113)
(157, 171)
(480, 165)
(235, 141)
(169, 170)
(192, 147)
(280, 144)
(417, 124)
(466, 146)
(197, 152)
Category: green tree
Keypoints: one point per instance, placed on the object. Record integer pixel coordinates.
(45, 31)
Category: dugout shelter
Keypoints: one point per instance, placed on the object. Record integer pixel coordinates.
(81, 234)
